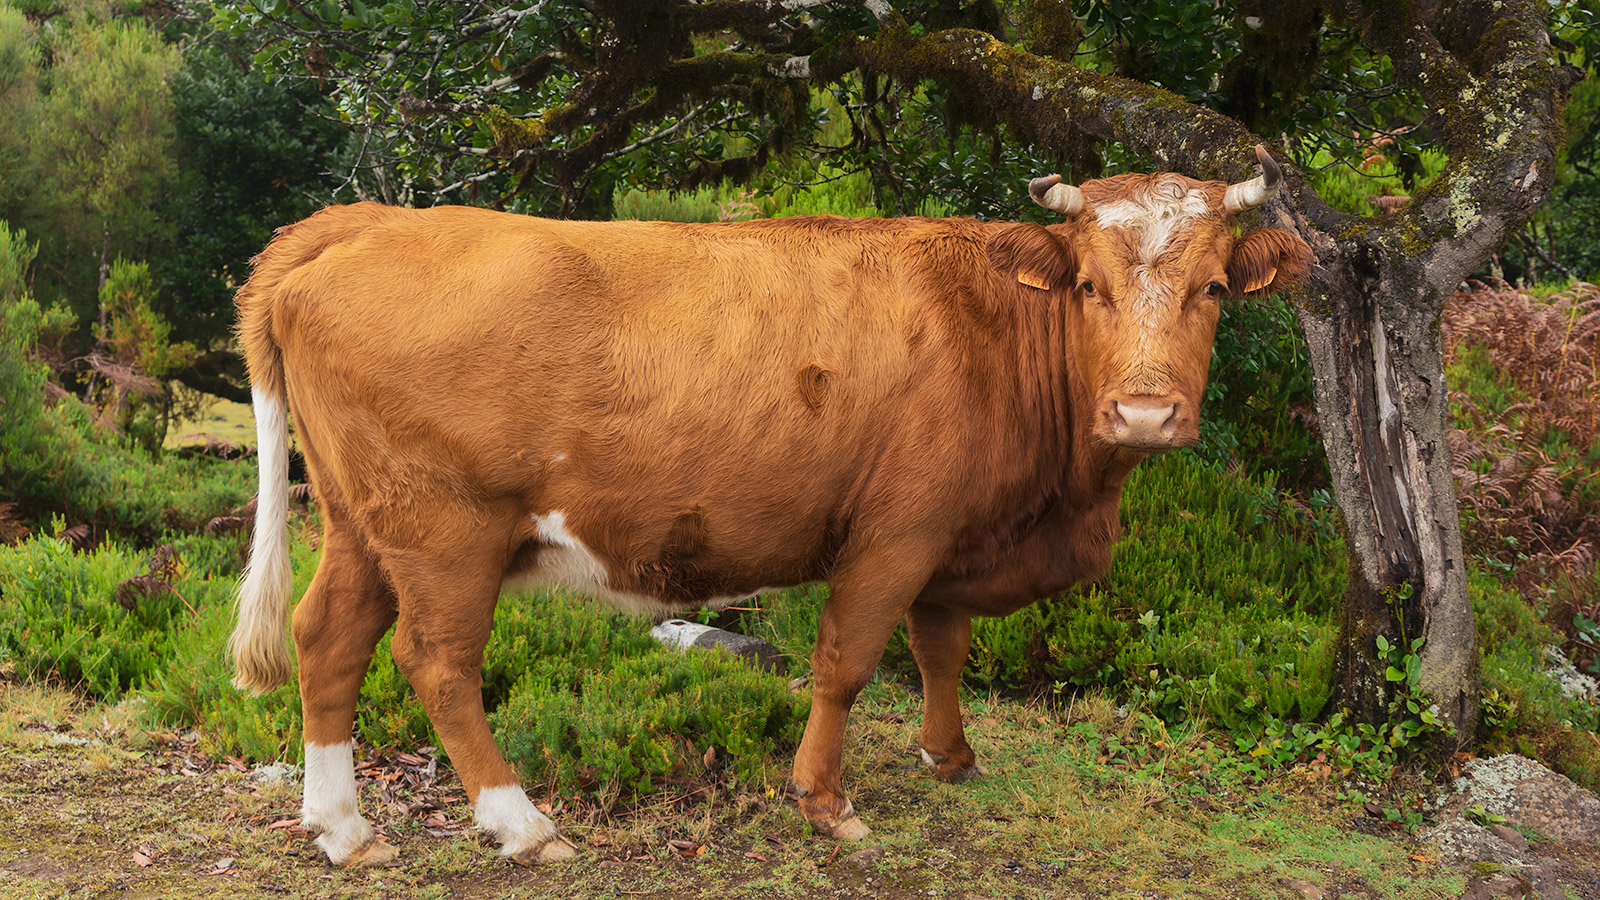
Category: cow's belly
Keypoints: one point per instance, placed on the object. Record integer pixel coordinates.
(556, 557)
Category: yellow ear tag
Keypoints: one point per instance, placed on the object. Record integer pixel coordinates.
(1261, 282)
(1032, 279)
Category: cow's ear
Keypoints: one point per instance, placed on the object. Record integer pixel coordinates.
(1031, 255)
(1266, 262)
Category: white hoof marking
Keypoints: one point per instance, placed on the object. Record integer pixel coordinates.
(329, 805)
(507, 814)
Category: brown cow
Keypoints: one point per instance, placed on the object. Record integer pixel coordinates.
(934, 416)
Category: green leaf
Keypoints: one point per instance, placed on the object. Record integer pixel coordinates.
(1394, 674)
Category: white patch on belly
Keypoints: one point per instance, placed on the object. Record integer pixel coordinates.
(330, 801)
(508, 814)
(564, 561)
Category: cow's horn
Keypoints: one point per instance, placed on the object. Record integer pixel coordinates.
(1251, 194)
(1050, 193)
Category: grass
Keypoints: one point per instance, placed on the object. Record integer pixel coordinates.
(226, 419)
(1052, 819)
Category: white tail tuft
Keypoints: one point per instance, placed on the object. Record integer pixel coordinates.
(260, 657)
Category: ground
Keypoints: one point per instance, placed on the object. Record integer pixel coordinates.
(1079, 803)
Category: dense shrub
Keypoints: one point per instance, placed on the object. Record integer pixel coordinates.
(55, 459)
(63, 617)
(1525, 397)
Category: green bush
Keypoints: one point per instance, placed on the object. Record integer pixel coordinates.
(54, 459)
(1218, 603)
(62, 617)
(599, 707)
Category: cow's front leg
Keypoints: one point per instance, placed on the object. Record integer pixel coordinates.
(868, 600)
(446, 615)
(940, 638)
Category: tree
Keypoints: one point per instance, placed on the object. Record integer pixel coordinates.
(545, 105)
(104, 136)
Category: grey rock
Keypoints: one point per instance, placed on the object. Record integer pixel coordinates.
(682, 635)
(1511, 836)
(866, 857)
(1466, 842)
(1525, 793)
(275, 773)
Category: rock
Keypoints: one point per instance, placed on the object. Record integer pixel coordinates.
(275, 773)
(1306, 889)
(1567, 677)
(1464, 841)
(1525, 793)
(866, 857)
(681, 635)
(1493, 887)
(1511, 836)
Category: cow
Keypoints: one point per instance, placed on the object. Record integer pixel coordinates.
(934, 416)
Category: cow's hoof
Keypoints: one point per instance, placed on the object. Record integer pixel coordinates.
(554, 850)
(950, 770)
(848, 829)
(375, 852)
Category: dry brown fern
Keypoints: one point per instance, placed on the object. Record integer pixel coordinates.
(1521, 505)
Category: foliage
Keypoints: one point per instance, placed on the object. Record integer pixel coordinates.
(1525, 378)
(62, 618)
(642, 715)
(54, 458)
(1525, 710)
(1259, 412)
(100, 145)
(253, 154)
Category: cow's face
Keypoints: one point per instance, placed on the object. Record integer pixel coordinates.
(1150, 259)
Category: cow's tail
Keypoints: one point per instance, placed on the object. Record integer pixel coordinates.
(260, 655)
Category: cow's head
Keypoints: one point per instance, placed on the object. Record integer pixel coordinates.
(1147, 260)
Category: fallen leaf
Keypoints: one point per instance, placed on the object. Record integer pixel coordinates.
(284, 823)
(686, 848)
(435, 821)
(757, 856)
(140, 859)
(1424, 858)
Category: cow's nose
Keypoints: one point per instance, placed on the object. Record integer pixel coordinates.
(1146, 422)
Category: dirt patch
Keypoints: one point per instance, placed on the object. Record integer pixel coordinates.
(86, 814)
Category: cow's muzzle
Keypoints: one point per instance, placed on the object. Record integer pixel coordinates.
(1147, 423)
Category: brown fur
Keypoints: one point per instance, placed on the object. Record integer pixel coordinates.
(713, 409)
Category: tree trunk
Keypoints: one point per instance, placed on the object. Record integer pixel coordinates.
(100, 289)
(1379, 381)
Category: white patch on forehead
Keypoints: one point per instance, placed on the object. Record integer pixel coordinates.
(1157, 217)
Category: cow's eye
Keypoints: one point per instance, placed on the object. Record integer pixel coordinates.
(1088, 288)
(1215, 289)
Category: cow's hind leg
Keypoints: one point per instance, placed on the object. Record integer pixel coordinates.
(940, 638)
(343, 614)
(868, 600)
(447, 602)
